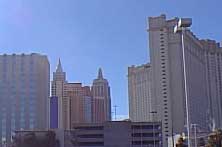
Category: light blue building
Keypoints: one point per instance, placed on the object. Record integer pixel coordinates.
(24, 90)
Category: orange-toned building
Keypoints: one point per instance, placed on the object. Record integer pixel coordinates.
(78, 103)
(101, 99)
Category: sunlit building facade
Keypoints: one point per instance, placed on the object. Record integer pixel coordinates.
(58, 90)
(168, 94)
(101, 109)
(74, 100)
(80, 102)
(139, 89)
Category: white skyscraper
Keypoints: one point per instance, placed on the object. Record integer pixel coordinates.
(168, 94)
(139, 90)
(58, 89)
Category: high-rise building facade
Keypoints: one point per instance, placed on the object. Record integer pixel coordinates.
(139, 89)
(213, 54)
(168, 94)
(101, 99)
(74, 100)
(24, 92)
(58, 90)
(80, 103)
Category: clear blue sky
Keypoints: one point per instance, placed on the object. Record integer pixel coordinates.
(88, 34)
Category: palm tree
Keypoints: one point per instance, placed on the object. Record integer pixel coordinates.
(180, 142)
(211, 140)
(218, 137)
(215, 139)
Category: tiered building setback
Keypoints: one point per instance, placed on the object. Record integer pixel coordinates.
(101, 99)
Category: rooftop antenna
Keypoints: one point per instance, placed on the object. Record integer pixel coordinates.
(112, 115)
(115, 112)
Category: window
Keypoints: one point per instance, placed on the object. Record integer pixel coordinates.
(91, 136)
(91, 143)
(31, 126)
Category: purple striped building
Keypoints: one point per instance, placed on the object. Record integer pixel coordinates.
(54, 112)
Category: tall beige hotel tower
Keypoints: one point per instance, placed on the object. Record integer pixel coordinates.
(203, 61)
(139, 87)
(165, 95)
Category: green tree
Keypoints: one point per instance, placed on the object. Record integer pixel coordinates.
(215, 139)
(180, 142)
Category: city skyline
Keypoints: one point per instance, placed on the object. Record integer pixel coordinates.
(78, 103)
(65, 33)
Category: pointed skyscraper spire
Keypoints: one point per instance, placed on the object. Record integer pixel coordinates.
(59, 67)
(100, 74)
